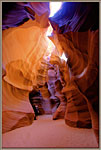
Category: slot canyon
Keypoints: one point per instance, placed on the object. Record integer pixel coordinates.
(50, 74)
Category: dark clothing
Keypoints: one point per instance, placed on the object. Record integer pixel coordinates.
(36, 110)
(33, 101)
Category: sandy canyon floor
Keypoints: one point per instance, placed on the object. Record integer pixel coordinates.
(45, 132)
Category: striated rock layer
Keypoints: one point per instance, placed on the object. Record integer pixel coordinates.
(82, 50)
(16, 109)
(21, 45)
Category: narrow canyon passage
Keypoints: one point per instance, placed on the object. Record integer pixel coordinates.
(50, 75)
(49, 133)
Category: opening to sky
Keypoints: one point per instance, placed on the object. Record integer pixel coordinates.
(54, 7)
(64, 57)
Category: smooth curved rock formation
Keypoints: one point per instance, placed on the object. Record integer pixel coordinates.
(19, 73)
(16, 13)
(76, 16)
(81, 52)
(16, 109)
(60, 112)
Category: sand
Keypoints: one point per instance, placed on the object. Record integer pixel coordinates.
(49, 133)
